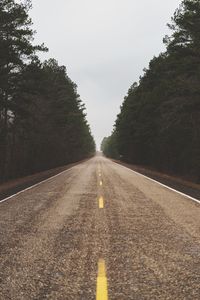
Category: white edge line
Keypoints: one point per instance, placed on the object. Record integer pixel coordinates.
(32, 186)
(166, 186)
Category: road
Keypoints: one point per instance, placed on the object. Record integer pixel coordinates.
(99, 231)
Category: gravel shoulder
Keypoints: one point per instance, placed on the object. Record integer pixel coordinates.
(185, 186)
(11, 187)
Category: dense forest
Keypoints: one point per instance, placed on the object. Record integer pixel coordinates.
(42, 118)
(159, 122)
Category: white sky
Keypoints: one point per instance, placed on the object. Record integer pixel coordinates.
(105, 44)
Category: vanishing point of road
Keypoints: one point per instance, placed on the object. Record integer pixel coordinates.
(99, 231)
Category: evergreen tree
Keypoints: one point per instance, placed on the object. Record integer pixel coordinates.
(159, 122)
(15, 48)
(42, 118)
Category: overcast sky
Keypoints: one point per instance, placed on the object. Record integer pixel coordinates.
(105, 45)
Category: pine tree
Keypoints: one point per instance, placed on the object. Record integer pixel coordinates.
(16, 50)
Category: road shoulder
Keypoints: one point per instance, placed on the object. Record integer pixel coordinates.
(14, 186)
(187, 187)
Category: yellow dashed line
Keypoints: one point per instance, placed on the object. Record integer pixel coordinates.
(101, 183)
(101, 202)
(102, 285)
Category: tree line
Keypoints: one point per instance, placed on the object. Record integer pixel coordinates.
(159, 121)
(42, 118)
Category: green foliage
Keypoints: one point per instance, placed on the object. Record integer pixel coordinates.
(109, 146)
(186, 27)
(42, 119)
(159, 122)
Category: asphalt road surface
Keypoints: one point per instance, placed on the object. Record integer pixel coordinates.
(99, 231)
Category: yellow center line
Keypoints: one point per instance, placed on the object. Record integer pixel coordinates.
(101, 183)
(101, 202)
(102, 285)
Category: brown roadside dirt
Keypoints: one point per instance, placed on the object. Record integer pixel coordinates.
(11, 187)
